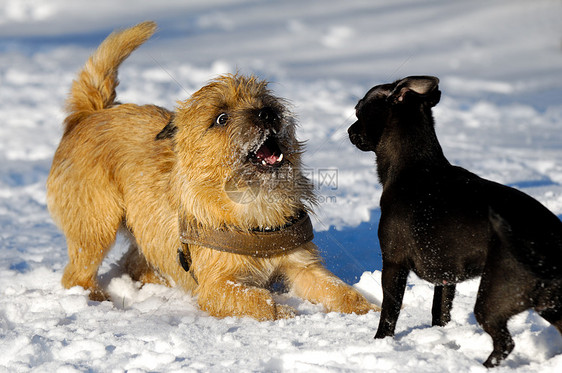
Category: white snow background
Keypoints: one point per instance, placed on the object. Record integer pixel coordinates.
(500, 65)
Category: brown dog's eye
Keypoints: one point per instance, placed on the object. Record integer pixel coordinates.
(222, 119)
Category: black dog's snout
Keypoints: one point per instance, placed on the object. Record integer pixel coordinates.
(356, 137)
(354, 134)
(357, 140)
(352, 129)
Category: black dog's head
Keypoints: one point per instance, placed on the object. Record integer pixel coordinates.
(405, 102)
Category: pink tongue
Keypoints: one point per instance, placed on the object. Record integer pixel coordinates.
(265, 154)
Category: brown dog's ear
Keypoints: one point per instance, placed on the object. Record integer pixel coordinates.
(420, 87)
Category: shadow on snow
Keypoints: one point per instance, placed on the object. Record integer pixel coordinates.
(351, 251)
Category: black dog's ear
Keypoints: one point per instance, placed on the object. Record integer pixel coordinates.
(381, 91)
(419, 87)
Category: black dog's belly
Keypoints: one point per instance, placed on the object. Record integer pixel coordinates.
(447, 258)
(440, 231)
(443, 260)
(445, 270)
(449, 248)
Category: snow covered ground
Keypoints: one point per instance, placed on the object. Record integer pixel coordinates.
(500, 65)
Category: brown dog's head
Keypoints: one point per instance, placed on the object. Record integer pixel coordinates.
(239, 161)
(405, 102)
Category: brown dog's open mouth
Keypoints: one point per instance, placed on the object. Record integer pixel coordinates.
(268, 154)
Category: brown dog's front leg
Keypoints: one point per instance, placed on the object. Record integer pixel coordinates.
(318, 285)
(442, 303)
(394, 279)
(310, 280)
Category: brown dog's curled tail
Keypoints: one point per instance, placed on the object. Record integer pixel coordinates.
(94, 89)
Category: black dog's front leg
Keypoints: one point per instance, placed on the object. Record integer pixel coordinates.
(394, 279)
(442, 303)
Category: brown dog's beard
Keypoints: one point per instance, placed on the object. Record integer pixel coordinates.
(266, 167)
(270, 159)
(271, 194)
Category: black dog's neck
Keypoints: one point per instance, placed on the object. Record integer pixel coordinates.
(406, 144)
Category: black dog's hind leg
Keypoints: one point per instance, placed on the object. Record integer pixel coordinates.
(507, 288)
(503, 293)
(555, 318)
(394, 279)
(442, 303)
(503, 343)
(493, 319)
(549, 304)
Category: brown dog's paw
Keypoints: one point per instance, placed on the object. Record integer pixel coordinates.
(284, 312)
(98, 295)
(353, 302)
(265, 308)
(371, 307)
(361, 308)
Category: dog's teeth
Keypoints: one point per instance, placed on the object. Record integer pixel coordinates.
(280, 158)
(263, 162)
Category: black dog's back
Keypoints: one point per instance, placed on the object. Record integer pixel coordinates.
(447, 224)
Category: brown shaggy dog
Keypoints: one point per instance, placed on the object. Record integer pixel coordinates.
(157, 175)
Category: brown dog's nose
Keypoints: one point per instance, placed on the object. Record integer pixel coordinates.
(269, 117)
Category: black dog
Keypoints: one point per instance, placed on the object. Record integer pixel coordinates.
(448, 225)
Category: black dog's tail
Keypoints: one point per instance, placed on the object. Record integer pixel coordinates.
(541, 254)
